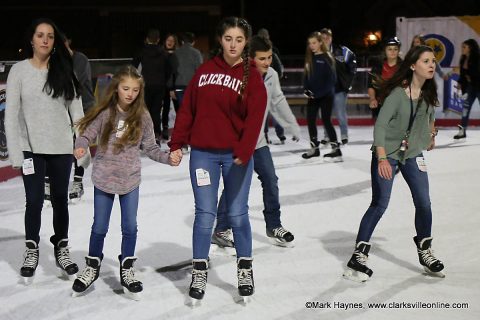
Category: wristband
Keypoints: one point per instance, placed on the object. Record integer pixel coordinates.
(382, 158)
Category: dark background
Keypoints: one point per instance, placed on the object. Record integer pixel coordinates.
(116, 29)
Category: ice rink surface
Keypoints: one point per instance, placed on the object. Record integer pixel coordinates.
(322, 204)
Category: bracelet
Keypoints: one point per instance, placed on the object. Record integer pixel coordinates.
(433, 134)
(382, 158)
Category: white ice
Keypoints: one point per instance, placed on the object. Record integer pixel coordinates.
(322, 204)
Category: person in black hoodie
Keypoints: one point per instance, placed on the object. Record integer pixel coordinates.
(156, 69)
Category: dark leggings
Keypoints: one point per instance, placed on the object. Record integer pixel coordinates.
(325, 104)
(59, 167)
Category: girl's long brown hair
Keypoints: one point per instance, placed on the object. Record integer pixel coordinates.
(308, 69)
(135, 112)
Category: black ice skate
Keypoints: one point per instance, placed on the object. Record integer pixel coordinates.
(131, 286)
(88, 276)
(77, 192)
(357, 269)
(199, 280)
(280, 237)
(432, 265)
(223, 243)
(314, 151)
(246, 287)
(30, 263)
(335, 155)
(461, 133)
(62, 258)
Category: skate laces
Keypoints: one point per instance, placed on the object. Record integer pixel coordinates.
(280, 232)
(427, 256)
(361, 258)
(244, 277)
(31, 258)
(128, 275)
(199, 279)
(63, 257)
(225, 235)
(88, 275)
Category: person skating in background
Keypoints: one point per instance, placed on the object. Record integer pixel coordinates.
(170, 45)
(345, 68)
(383, 70)
(43, 98)
(404, 128)
(277, 106)
(220, 118)
(319, 86)
(469, 82)
(123, 127)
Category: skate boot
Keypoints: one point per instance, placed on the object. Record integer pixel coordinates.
(431, 264)
(280, 237)
(131, 286)
(324, 142)
(30, 263)
(357, 265)
(62, 258)
(335, 155)
(199, 280)
(223, 241)
(77, 189)
(461, 133)
(314, 150)
(88, 276)
(246, 287)
(344, 141)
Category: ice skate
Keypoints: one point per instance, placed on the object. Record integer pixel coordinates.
(62, 258)
(199, 281)
(430, 264)
(280, 237)
(85, 280)
(335, 155)
(30, 263)
(314, 151)
(324, 142)
(246, 286)
(223, 243)
(461, 133)
(357, 269)
(131, 286)
(77, 192)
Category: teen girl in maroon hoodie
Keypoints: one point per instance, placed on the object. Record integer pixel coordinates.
(220, 118)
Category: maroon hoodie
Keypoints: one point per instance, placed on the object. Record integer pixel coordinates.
(213, 117)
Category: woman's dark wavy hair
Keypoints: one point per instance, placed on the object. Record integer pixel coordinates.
(474, 57)
(236, 22)
(61, 80)
(403, 78)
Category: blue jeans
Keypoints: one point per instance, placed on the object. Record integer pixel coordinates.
(381, 190)
(236, 180)
(472, 94)
(103, 203)
(263, 166)
(340, 112)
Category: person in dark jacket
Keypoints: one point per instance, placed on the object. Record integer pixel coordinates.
(469, 81)
(345, 67)
(156, 69)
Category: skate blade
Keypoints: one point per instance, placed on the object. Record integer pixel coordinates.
(356, 276)
(75, 200)
(333, 160)
(217, 250)
(192, 302)
(28, 280)
(243, 300)
(132, 295)
(438, 274)
(64, 274)
(280, 243)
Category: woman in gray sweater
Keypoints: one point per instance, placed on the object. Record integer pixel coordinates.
(43, 99)
(404, 128)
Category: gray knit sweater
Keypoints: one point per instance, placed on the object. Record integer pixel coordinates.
(119, 173)
(34, 121)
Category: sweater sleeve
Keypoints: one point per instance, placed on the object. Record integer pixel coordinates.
(280, 109)
(387, 112)
(90, 134)
(149, 145)
(12, 111)
(185, 116)
(256, 105)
